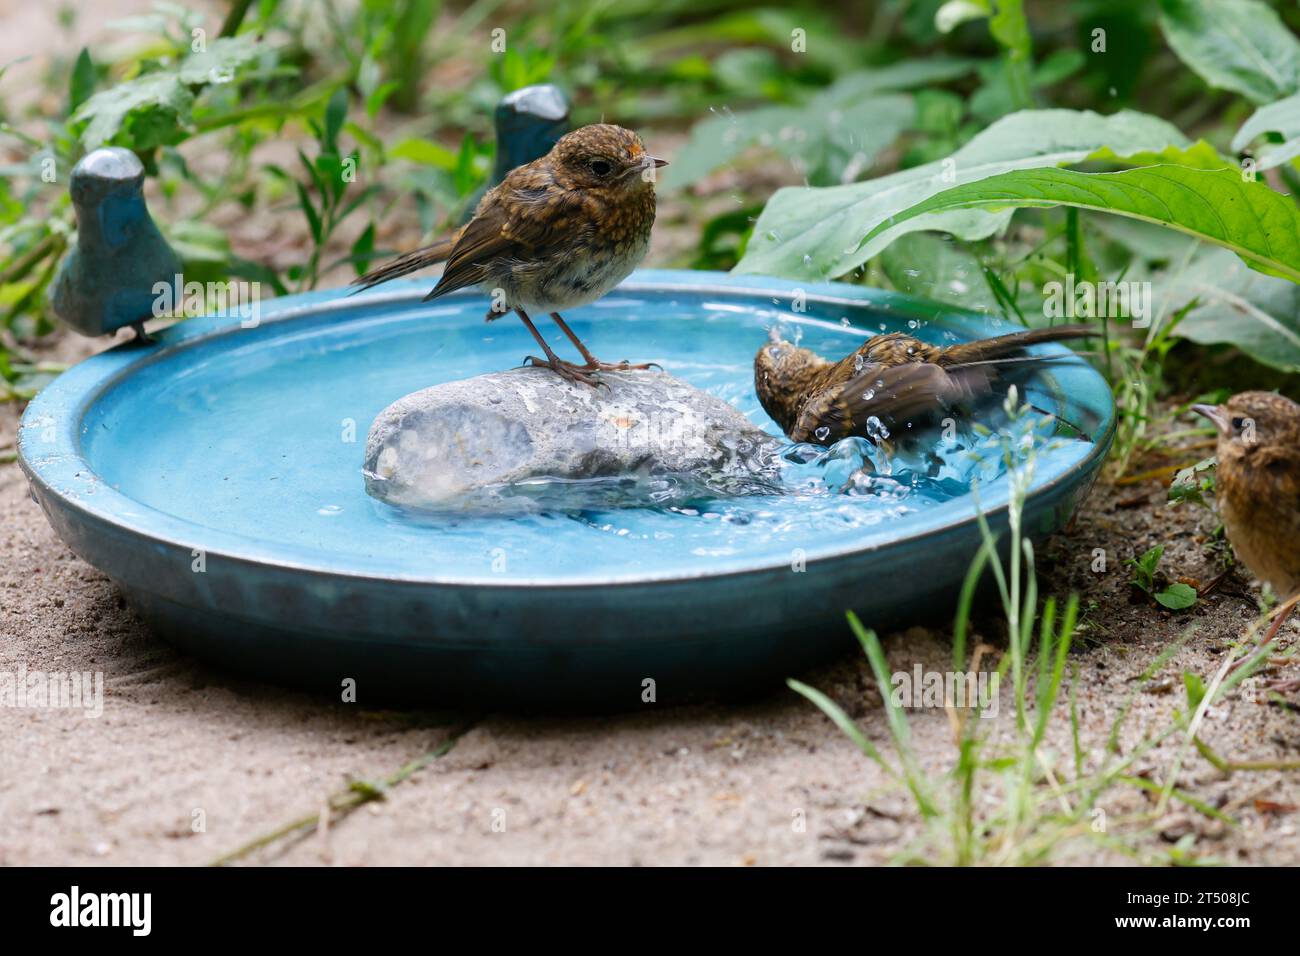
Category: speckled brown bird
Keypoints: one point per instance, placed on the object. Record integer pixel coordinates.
(556, 233)
(888, 381)
(1257, 488)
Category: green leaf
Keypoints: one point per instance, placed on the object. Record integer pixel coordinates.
(841, 720)
(82, 84)
(809, 233)
(336, 111)
(363, 249)
(149, 111)
(1190, 482)
(308, 210)
(825, 141)
(425, 152)
(825, 134)
(221, 61)
(1281, 117)
(1238, 45)
(1145, 567)
(1232, 304)
(376, 100)
(198, 242)
(1218, 206)
(1195, 686)
(1177, 597)
(1010, 28)
(956, 12)
(471, 166)
(1200, 155)
(938, 268)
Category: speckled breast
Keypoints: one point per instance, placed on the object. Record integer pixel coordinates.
(617, 244)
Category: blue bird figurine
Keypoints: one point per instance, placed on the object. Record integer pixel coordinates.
(108, 280)
(528, 123)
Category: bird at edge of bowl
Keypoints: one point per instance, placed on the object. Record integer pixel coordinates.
(1257, 490)
(890, 380)
(556, 233)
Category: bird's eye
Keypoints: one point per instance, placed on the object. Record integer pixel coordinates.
(1238, 424)
(600, 167)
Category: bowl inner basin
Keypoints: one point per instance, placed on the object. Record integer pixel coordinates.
(258, 436)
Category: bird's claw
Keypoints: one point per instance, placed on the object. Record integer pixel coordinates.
(566, 370)
(596, 365)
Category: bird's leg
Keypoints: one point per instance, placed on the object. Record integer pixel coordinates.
(141, 336)
(594, 364)
(566, 370)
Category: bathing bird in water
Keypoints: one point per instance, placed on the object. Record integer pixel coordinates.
(887, 382)
(556, 233)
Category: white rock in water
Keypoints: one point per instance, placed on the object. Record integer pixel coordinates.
(508, 430)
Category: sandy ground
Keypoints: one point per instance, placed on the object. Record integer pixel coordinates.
(187, 764)
(181, 748)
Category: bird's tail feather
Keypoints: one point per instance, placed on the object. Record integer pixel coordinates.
(404, 265)
(1005, 345)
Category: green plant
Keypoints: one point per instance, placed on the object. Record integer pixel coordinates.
(1176, 596)
(329, 176)
(1191, 484)
(1046, 808)
(180, 86)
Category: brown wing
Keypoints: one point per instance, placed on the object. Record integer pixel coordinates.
(895, 395)
(522, 220)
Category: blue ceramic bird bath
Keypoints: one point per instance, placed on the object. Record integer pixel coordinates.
(216, 478)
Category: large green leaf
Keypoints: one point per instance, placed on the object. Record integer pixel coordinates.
(825, 141)
(1233, 304)
(1238, 45)
(841, 128)
(1280, 117)
(1214, 205)
(935, 267)
(817, 232)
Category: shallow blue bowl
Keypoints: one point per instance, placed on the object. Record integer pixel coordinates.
(216, 478)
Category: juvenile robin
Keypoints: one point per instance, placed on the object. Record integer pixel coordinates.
(1257, 488)
(889, 380)
(556, 233)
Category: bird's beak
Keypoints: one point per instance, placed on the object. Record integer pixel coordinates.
(656, 162)
(1215, 413)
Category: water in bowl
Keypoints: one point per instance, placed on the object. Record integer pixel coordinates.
(264, 442)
